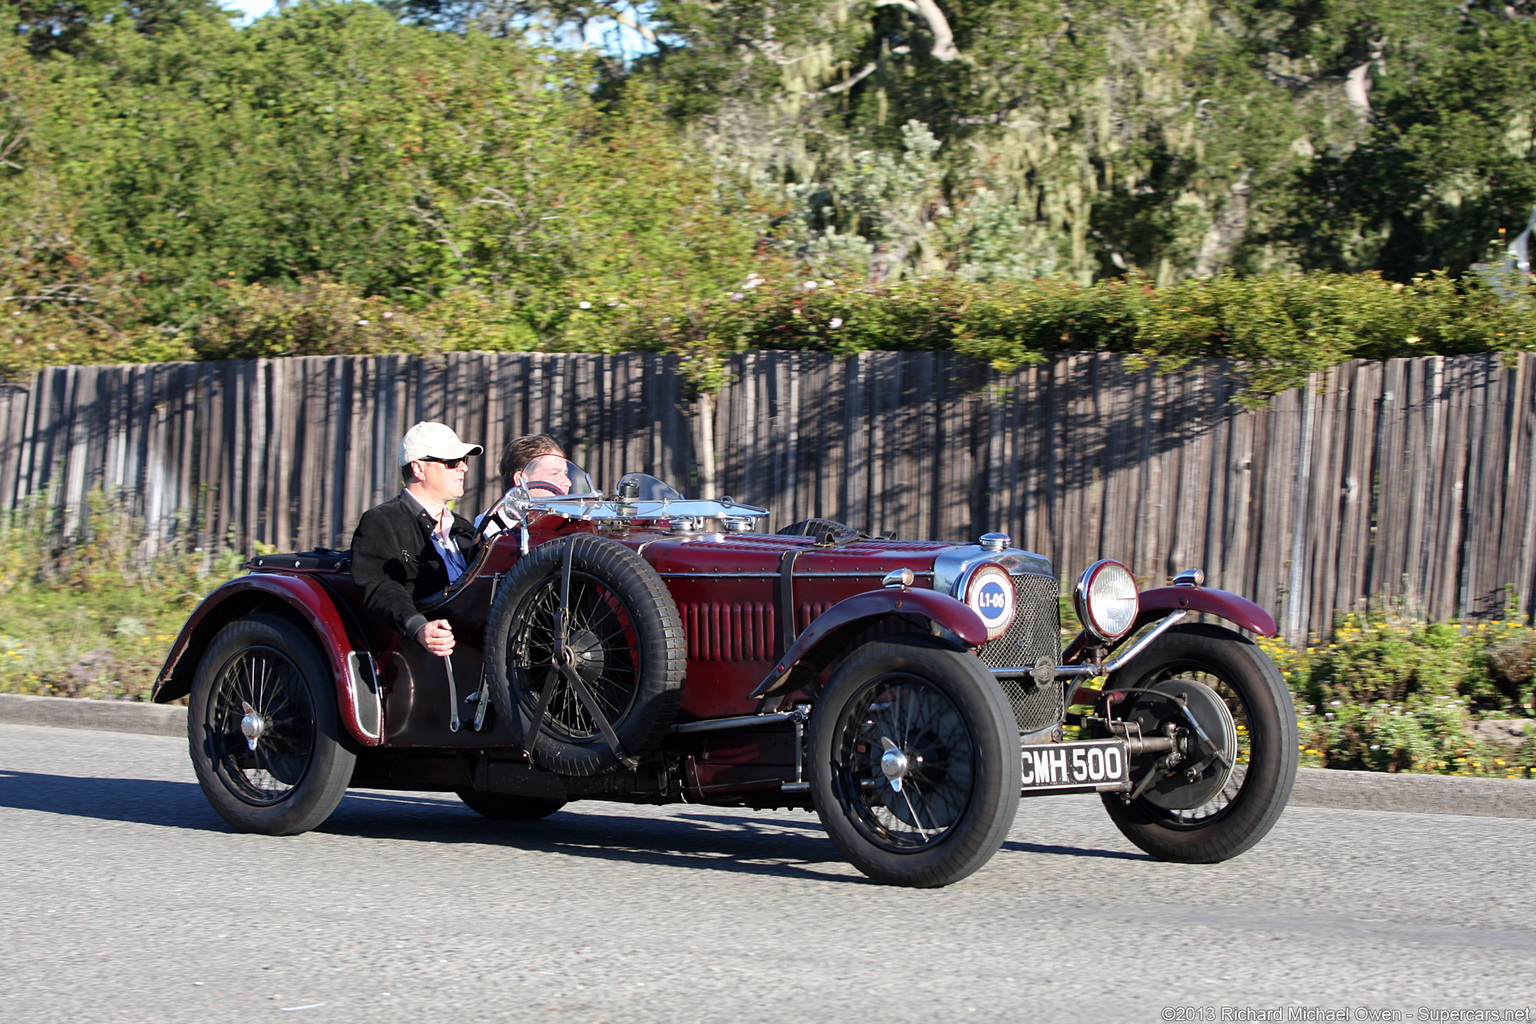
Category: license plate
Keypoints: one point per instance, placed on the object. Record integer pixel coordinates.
(1096, 763)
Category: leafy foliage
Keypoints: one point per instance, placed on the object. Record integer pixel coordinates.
(1181, 138)
(1283, 182)
(94, 615)
(329, 151)
(1387, 693)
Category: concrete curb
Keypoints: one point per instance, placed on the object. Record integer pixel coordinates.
(1420, 794)
(104, 715)
(1315, 787)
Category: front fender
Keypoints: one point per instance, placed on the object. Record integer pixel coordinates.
(1159, 602)
(307, 600)
(941, 609)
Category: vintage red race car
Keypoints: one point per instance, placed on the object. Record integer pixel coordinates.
(648, 648)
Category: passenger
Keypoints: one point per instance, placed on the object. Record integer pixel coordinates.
(551, 479)
(413, 546)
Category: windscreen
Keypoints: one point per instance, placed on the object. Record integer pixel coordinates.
(554, 476)
(644, 487)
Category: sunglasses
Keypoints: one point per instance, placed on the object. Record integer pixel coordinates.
(446, 463)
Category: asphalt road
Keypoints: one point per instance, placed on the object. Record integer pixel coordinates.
(125, 898)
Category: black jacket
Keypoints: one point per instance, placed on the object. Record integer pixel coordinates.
(395, 563)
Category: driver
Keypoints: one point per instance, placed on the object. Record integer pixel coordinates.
(534, 461)
(413, 545)
(548, 475)
(526, 449)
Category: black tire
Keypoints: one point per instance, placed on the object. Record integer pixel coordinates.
(628, 646)
(300, 766)
(950, 722)
(504, 807)
(1250, 803)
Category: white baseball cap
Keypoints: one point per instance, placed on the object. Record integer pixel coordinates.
(435, 441)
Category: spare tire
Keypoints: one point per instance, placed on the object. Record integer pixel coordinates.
(616, 692)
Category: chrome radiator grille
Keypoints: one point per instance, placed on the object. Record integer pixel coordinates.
(1036, 629)
(1034, 706)
(1035, 634)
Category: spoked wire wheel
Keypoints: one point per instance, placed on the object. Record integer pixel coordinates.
(1213, 826)
(261, 725)
(587, 653)
(905, 763)
(913, 755)
(602, 641)
(263, 728)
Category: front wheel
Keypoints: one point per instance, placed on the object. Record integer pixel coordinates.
(914, 762)
(263, 729)
(1239, 695)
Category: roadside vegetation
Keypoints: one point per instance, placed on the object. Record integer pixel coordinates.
(1277, 330)
(94, 616)
(1388, 692)
(1285, 184)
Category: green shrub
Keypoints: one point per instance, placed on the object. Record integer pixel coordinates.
(1418, 735)
(94, 615)
(1386, 661)
(1387, 693)
(318, 317)
(1507, 663)
(1278, 329)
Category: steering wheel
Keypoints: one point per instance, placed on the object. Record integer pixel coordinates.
(498, 514)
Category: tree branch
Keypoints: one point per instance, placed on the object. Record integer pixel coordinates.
(938, 25)
(943, 38)
(629, 21)
(858, 76)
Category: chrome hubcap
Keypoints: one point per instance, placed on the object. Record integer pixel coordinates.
(252, 726)
(894, 764)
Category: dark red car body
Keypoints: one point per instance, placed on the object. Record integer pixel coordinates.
(768, 621)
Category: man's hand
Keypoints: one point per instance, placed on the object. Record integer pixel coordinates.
(437, 637)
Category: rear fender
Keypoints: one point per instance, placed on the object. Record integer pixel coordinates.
(1159, 603)
(306, 602)
(824, 639)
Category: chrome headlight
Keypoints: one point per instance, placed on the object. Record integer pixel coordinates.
(1106, 599)
(988, 590)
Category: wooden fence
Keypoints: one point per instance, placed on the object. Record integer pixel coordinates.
(1412, 479)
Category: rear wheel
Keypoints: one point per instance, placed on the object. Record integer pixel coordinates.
(914, 762)
(1231, 688)
(504, 807)
(263, 729)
